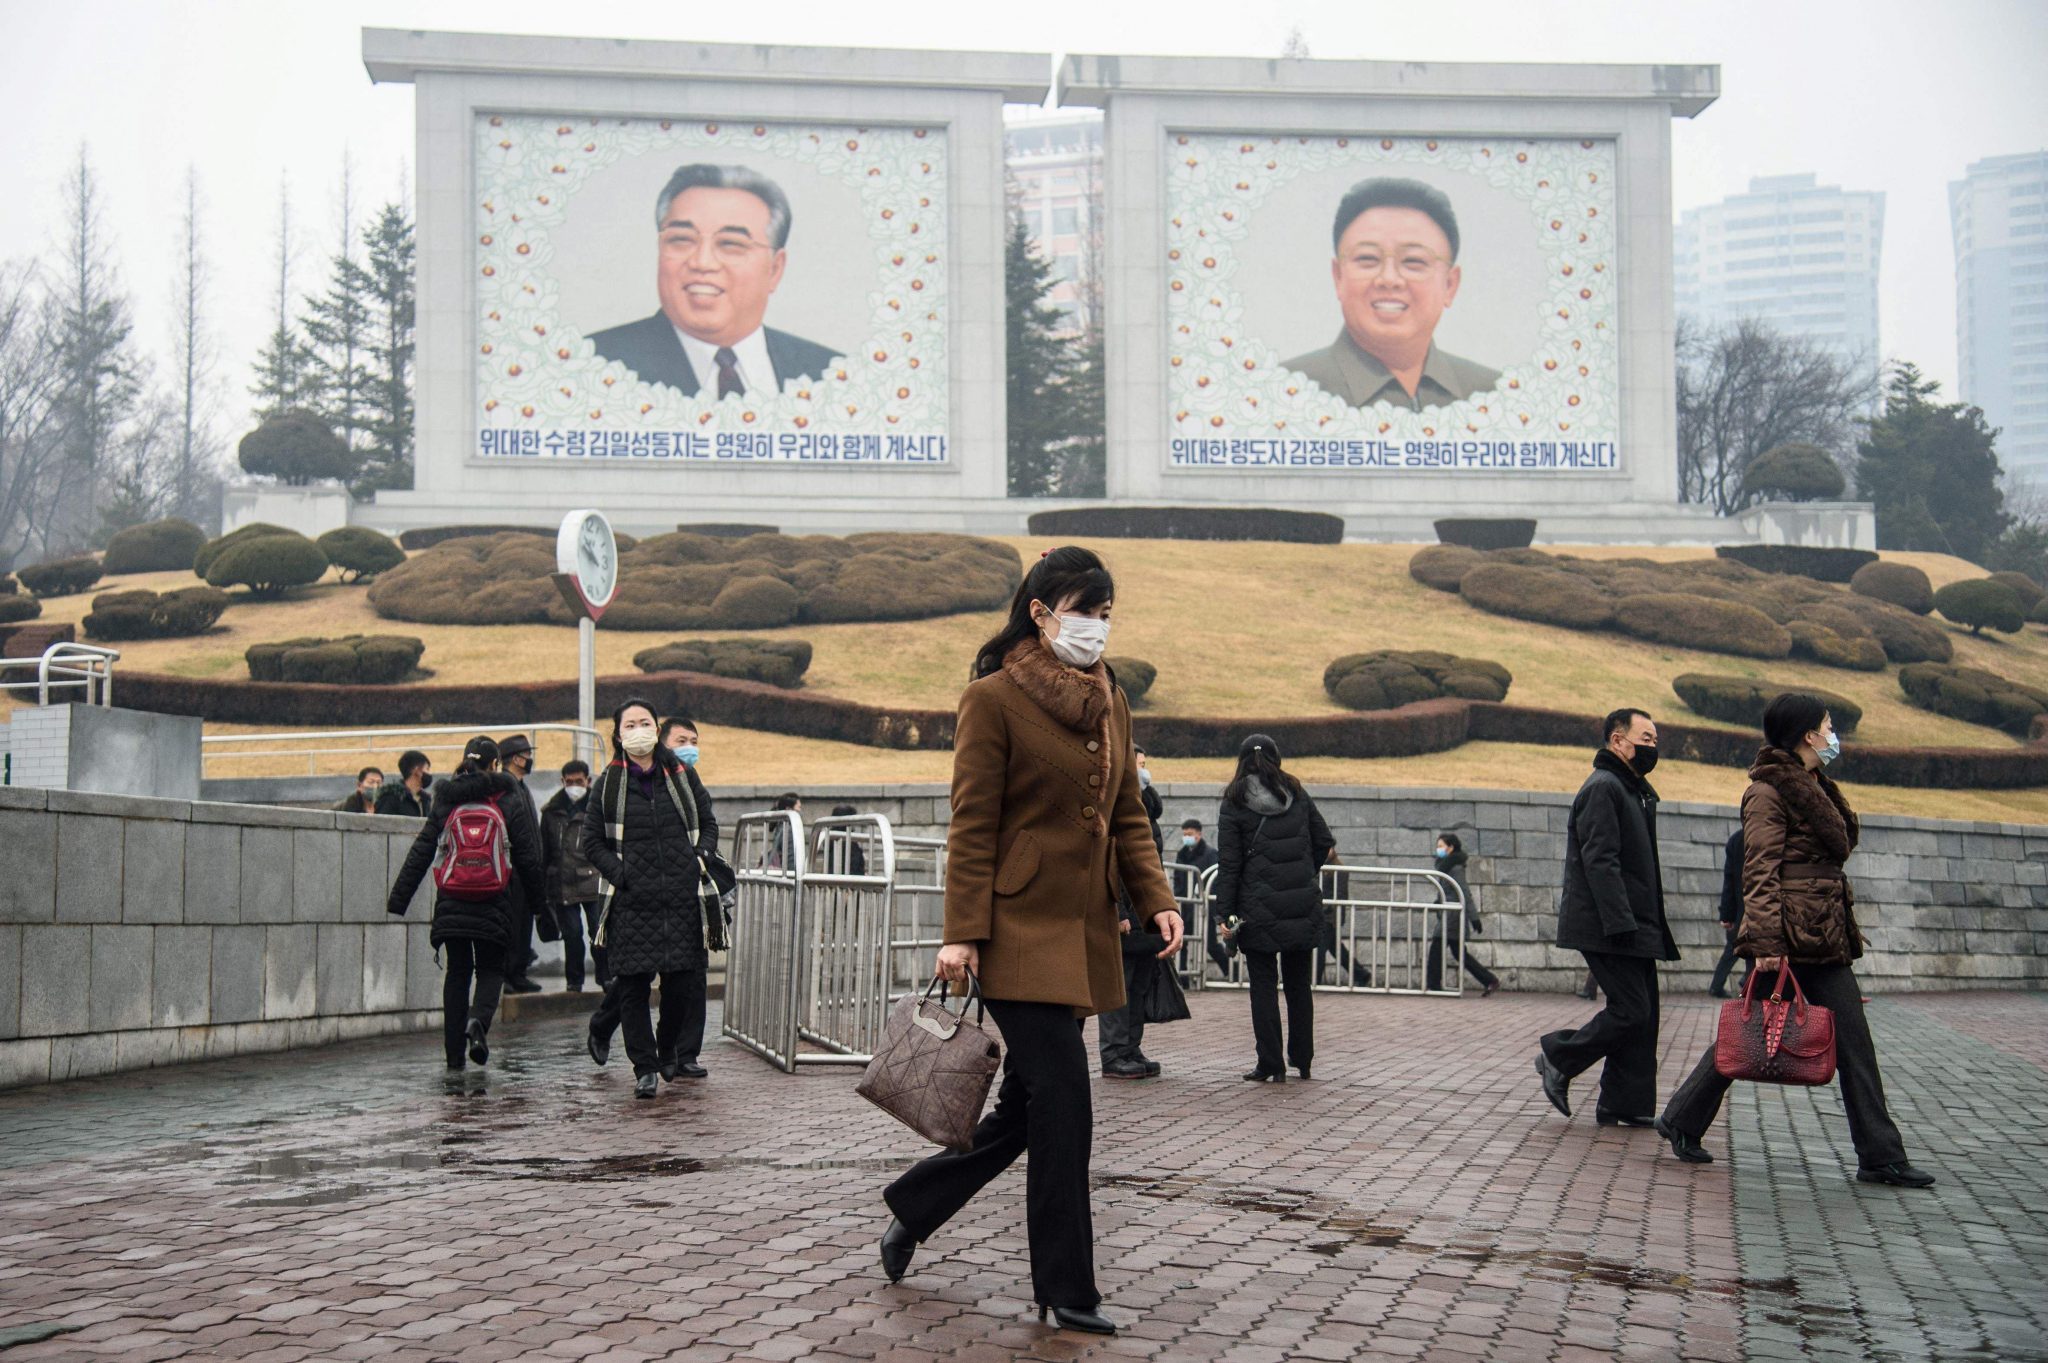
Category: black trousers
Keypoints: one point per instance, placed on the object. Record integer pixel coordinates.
(1624, 1034)
(681, 1032)
(520, 958)
(1876, 1137)
(1120, 1033)
(1269, 971)
(1726, 964)
(1042, 1111)
(1433, 971)
(570, 918)
(468, 963)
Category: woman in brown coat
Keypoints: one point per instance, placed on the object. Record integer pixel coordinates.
(1048, 829)
(1797, 911)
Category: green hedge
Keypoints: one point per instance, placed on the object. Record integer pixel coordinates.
(14, 609)
(1741, 700)
(427, 538)
(139, 614)
(1546, 595)
(1135, 676)
(1832, 648)
(1974, 695)
(268, 565)
(1822, 565)
(62, 576)
(213, 548)
(1190, 523)
(299, 448)
(1390, 678)
(360, 552)
(1703, 622)
(2025, 588)
(1797, 472)
(1905, 636)
(693, 582)
(1982, 604)
(1899, 583)
(776, 662)
(1443, 566)
(159, 547)
(357, 660)
(1486, 532)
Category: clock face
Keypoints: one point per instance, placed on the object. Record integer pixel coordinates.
(586, 552)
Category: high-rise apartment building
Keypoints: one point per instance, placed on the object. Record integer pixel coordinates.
(1055, 166)
(1998, 213)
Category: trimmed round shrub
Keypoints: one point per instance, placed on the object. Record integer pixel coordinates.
(1981, 604)
(1443, 566)
(357, 660)
(1822, 565)
(1974, 695)
(359, 552)
(1899, 583)
(297, 448)
(1134, 675)
(139, 614)
(15, 609)
(1794, 473)
(1824, 645)
(1703, 622)
(62, 576)
(214, 547)
(428, 537)
(1486, 532)
(778, 662)
(692, 582)
(1741, 700)
(1390, 677)
(159, 547)
(1905, 636)
(1547, 595)
(2025, 588)
(268, 565)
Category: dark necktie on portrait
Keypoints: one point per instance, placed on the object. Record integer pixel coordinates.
(729, 373)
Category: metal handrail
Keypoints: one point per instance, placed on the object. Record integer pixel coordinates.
(1422, 922)
(367, 739)
(83, 664)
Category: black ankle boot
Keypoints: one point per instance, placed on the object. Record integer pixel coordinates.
(478, 1050)
(1071, 1318)
(898, 1245)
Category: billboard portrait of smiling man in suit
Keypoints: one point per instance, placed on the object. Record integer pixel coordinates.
(722, 234)
(1396, 272)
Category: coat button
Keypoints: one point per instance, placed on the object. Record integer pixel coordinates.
(1088, 811)
(1093, 746)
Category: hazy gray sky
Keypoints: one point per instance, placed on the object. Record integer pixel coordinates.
(1871, 94)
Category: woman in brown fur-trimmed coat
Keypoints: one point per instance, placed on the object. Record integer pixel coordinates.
(1798, 913)
(1048, 829)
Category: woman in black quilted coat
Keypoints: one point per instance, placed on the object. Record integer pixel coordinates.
(471, 934)
(647, 826)
(1273, 844)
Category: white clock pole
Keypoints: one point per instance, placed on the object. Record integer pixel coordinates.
(587, 573)
(586, 687)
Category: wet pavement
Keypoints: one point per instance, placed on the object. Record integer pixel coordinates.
(1418, 1198)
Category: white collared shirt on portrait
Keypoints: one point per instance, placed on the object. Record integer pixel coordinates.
(751, 354)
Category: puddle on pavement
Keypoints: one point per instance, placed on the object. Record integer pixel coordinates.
(618, 1168)
(311, 1166)
(315, 1197)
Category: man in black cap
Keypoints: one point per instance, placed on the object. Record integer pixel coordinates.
(516, 752)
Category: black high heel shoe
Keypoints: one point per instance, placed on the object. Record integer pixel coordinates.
(898, 1245)
(1069, 1318)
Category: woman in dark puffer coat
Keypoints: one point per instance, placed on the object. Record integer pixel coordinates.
(472, 933)
(1799, 914)
(1273, 844)
(649, 830)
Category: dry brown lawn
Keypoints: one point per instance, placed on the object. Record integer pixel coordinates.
(1235, 629)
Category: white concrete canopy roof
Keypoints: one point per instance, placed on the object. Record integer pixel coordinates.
(398, 56)
(1093, 80)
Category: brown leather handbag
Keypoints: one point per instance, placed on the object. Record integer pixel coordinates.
(933, 1069)
(1780, 1041)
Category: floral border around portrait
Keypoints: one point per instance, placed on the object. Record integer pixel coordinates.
(1224, 385)
(534, 372)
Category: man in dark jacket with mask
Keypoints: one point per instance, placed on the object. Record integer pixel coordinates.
(516, 752)
(1612, 912)
(573, 883)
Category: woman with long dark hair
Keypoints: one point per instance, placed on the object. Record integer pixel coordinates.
(1048, 829)
(1798, 911)
(1273, 844)
(472, 921)
(649, 830)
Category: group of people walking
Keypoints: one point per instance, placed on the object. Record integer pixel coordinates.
(1057, 903)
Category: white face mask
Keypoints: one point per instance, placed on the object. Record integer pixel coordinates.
(1081, 640)
(638, 742)
(575, 793)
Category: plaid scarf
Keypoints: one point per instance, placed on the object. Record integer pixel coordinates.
(611, 796)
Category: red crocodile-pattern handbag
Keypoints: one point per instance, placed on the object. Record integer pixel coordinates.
(1775, 1040)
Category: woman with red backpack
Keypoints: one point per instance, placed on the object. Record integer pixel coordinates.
(473, 851)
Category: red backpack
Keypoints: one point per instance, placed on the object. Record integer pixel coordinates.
(474, 860)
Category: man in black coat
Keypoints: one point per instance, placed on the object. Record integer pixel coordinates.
(1730, 914)
(516, 752)
(1612, 912)
(411, 796)
(1198, 852)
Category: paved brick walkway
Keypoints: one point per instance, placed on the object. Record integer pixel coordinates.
(1417, 1199)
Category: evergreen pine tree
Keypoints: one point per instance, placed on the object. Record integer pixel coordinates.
(387, 424)
(1040, 363)
(337, 324)
(1931, 469)
(286, 374)
(100, 380)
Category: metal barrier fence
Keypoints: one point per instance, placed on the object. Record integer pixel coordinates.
(763, 989)
(86, 666)
(1374, 943)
